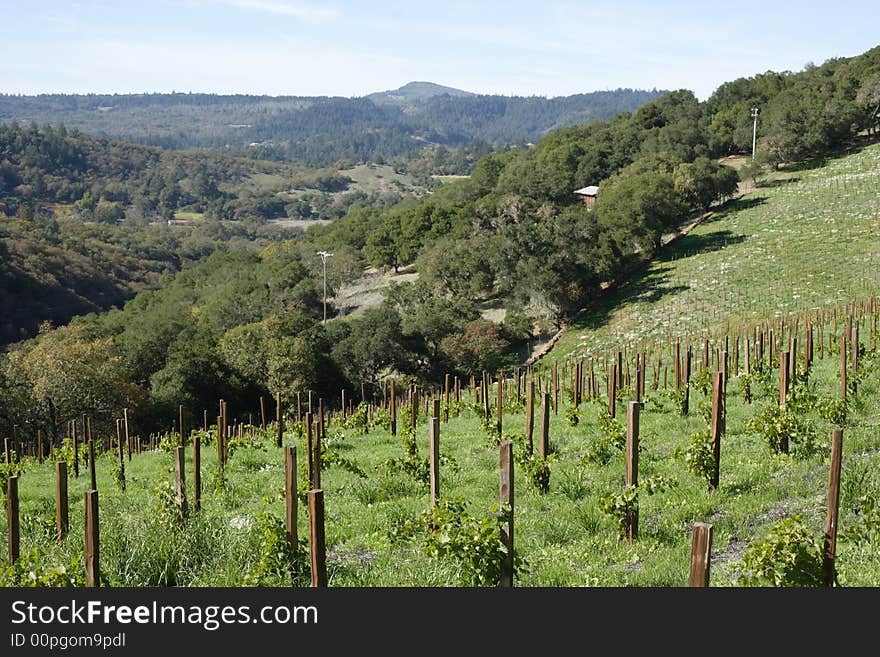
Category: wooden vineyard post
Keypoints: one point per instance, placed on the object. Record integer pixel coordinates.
(262, 415)
(279, 421)
(505, 502)
(783, 376)
(530, 415)
(75, 452)
(544, 427)
(316, 538)
(637, 390)
(642, 374)
(499, 401)
(92, 479)
(290, 508)
(612, 391)
(7, 451)
(127, 439)
(316, 455)
(180, 482)
(830, 540)
(632, 466)
(392, 404)
(12, 519)
(677, 365)
(446, 394)
(62, 523)
(717, 426)
(485, 391)
(181, 427)
(685, 407)
(310, 468)
(748, 370)
(434, 452)
(555, 386)
(197, 473)
(701, 554)
(39, 446)
(92, 540)
(854, 351)
(843, 367)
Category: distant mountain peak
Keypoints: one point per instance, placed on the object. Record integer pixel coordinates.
(416, 91)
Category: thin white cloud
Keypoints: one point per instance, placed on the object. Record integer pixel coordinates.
(296, 10)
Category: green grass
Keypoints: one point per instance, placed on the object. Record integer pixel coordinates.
(808, 240)
(562, 535)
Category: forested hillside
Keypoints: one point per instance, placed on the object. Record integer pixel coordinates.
(84, 221)
(318, 131)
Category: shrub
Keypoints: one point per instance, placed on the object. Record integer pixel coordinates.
(788, 556)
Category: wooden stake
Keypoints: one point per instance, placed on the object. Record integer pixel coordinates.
(197, 473)
(632, 465)
(498, 405)
(434, 453)
(530, 416)
(290, 506)
(316, 536)
(612, 392)
(12, 519)
(717, 426)
(506, 502)
(310, 454)
(783, 376)
(830, 541)
(181, 426)
(75, 452)
(180, 482)
(62, 523)
(279, 421)
(127, 439)
(92, 540)
(685, 409)
(393, 410)
(544, 427)
(701, 554)
(92, 478)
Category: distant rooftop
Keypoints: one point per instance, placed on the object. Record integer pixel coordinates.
(592, 190)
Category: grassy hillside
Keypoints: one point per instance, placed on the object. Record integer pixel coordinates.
(805, 240)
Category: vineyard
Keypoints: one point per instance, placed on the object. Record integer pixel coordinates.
(715, 423)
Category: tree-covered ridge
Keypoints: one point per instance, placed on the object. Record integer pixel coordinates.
(514, 231)
(318, 131)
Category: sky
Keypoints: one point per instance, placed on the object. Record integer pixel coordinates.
(347, 48)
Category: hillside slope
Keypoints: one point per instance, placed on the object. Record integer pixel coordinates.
(805, 240)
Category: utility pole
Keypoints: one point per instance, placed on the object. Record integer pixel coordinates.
(324, 255)
(754, 130)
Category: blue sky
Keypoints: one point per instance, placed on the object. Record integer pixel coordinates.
(346, 48)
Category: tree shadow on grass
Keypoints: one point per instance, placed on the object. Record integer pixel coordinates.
(734, 205)
(691, 244)
(653, 282)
